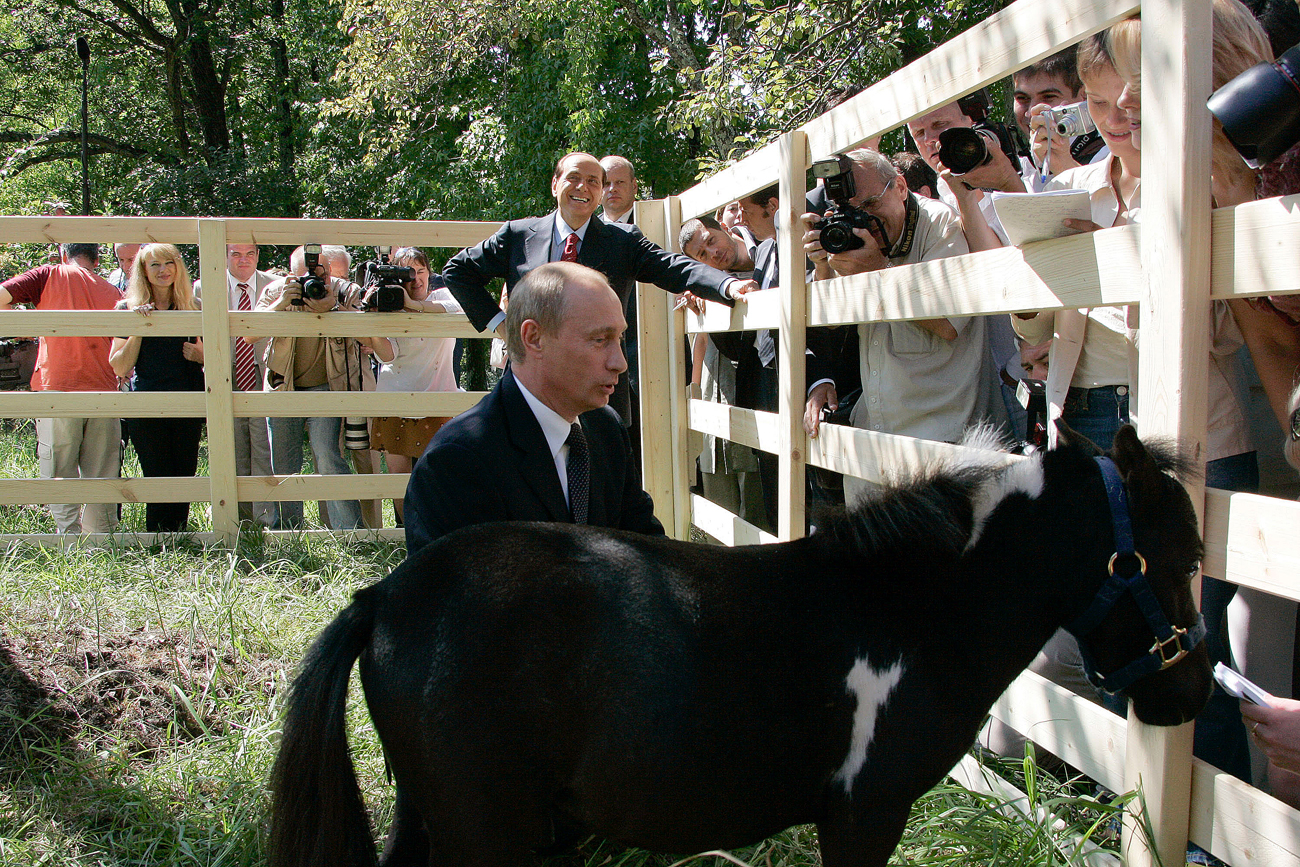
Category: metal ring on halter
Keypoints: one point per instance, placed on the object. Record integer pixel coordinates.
(1142, 563)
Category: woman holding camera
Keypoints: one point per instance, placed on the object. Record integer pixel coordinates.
(165, 446)
(420, 364)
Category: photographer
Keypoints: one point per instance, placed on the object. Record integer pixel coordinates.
(315, 364)
(927, 378)
(420, 364)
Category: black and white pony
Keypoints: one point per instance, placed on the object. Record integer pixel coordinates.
(535, 683)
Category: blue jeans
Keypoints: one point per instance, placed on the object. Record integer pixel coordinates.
(1220, 736)
(286, 460)
(1097, 413)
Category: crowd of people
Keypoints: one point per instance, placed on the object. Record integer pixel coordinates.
(563, 327)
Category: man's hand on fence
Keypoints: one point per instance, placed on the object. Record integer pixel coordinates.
(823, 396)
(738, 289)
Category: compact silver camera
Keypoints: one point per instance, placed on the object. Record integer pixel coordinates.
(1070, 121)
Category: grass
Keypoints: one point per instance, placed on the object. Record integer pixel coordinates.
(140, 696)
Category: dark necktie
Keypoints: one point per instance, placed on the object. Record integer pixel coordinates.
(579, 473)
(570, 253)
(246, 377)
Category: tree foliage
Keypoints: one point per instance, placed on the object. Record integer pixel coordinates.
(453, 109)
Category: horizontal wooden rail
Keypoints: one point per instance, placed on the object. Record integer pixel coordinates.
(241, 230)
(1239, 823)
(727, 528)
(247, 404)
(1251, 540)
(289, 323)
(194, 489)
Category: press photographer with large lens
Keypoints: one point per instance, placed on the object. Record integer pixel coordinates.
(315, 364)
(420, 364)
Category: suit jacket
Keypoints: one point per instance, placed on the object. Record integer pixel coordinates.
(618, 251)
(756, 385)
(257, 286)
(492, 463)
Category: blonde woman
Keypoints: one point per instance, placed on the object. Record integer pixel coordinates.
(165, 446)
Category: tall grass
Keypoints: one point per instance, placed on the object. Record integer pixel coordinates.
(140, 694)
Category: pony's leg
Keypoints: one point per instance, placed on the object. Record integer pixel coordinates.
(862, 838)
(407, 843)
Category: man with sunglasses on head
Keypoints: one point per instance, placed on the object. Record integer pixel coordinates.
(924, 378)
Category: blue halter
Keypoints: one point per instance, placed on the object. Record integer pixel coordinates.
(1172, 642)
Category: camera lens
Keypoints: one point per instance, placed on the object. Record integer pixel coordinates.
(1260, 109)
(837, 237)
(962, 149)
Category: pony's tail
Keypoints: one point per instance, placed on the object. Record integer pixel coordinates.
(317, 815)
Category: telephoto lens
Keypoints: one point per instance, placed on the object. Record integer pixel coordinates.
(962, 149)
(355, 434)
(1260, 109)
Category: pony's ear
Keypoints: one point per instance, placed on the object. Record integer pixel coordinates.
(1068, 437)
(1131, 457)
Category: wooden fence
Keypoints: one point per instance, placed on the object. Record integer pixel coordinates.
(217, 325)
(1252, 249)
(1230, 253)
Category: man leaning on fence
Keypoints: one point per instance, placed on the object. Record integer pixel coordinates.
(71, 448)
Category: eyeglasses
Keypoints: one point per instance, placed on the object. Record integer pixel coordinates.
(871, 201)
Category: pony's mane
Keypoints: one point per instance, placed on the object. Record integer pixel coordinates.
(1171, 459)
(929, 516)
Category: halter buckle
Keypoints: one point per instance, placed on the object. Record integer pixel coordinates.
(1179, 651)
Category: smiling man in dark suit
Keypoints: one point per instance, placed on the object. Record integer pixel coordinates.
(512, 457)
(570, 233)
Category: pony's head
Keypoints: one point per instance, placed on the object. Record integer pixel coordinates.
(1141, 634)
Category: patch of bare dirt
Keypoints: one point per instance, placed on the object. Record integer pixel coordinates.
(136, 691)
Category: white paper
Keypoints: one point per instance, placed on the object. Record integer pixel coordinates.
(1029, 217)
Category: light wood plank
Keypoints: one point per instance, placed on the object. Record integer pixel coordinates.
(1175, 347)
(663, 453)
(101, 404)
(361, 486)
(757, 171)
(1240, 824)
(1254, 250)
(1077, 730)
(301, 404)
(884, 458)
(217, 375)
(791, 340)
(758, 430)
(365, 233)
(1251, 540)
(158, 489)
(99, 230)
(729, 529)
(99, 323)
(304, 323)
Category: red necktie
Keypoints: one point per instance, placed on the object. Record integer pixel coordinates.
(246, 377)
(570, 253)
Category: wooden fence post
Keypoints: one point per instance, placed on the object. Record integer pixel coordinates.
(791, 360)
(1174, 363)
(216, 371)
(662, 395)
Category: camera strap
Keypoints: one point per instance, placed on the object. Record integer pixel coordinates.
(1084, 147)
(904, 245)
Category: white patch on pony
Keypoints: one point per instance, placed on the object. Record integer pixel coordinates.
(872, 688)
(988, 441)
(1023, 477)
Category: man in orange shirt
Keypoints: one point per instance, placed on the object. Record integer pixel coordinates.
(70, 448)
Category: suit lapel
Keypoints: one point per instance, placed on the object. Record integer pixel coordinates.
(594, 248)
(536, 465)
(537, 243)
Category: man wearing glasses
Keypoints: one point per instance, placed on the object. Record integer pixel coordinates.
(925, 378)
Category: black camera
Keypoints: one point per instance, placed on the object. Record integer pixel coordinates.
(382, 284)
(842, 218)
(314, 286)
(964, 148)
(1260, 109)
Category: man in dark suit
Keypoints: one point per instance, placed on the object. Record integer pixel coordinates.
(620, 252)
(509, 458)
